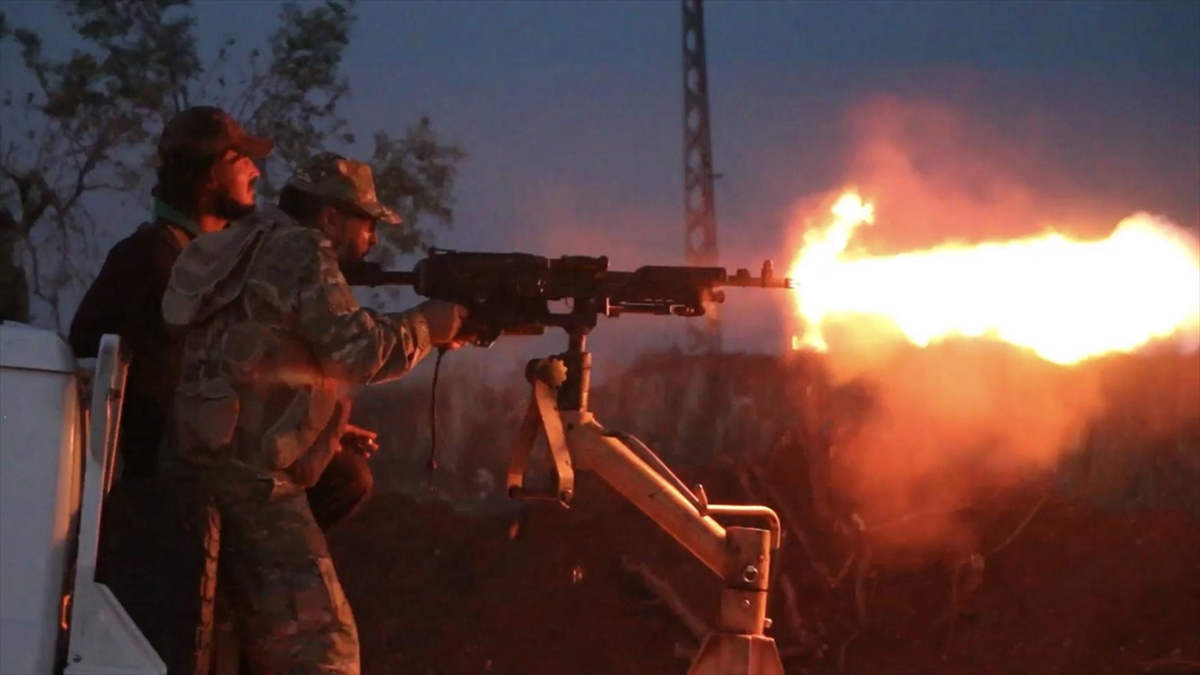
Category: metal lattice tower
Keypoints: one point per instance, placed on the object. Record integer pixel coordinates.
(700, 217)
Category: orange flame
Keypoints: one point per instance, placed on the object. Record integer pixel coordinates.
(1064, 299)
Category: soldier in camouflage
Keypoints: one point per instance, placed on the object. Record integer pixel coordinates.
(273, 339)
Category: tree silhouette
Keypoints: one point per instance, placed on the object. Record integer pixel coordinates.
(89, 123)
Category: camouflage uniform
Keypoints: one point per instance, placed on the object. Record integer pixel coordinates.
(274, 336)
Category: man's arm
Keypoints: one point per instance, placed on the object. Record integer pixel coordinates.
(355, 344)
(126, 297)
(105, 306)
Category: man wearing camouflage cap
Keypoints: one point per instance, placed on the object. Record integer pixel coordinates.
(274, 337)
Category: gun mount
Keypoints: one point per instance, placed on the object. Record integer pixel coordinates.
(510, 294)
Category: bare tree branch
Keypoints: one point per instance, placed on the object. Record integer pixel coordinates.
(89, 122)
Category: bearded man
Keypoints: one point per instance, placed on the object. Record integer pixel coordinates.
(206, 178)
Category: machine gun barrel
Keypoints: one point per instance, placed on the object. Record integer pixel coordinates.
(766, 279)
(372, 275)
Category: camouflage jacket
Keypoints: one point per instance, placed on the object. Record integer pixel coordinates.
(273, 338)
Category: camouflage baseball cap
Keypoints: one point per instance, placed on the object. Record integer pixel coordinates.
(343, 180)
(205, 131)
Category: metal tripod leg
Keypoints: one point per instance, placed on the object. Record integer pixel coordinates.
(738, 645)
(740, 556)
(725, 653)
(542, 415)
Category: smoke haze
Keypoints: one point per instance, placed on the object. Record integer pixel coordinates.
(957, 421)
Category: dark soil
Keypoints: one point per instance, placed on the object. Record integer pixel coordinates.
(540, 589)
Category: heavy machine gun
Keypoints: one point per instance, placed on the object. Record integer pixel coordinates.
(511, 293)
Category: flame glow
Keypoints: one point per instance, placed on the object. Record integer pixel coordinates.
(1064, 299)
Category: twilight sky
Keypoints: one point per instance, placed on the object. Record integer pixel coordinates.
(964, 120)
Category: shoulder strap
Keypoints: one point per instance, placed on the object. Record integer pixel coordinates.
(181, 237)
(178, 234)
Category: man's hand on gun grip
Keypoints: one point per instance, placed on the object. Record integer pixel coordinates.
(445, 321)
(359, 440)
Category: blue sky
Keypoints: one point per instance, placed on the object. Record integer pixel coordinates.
(964, 119)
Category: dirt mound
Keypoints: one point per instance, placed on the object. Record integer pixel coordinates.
(523, 588)
(532, 589)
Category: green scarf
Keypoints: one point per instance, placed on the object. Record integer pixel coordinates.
(164, 211)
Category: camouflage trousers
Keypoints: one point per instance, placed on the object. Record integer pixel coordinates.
(292, 615)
